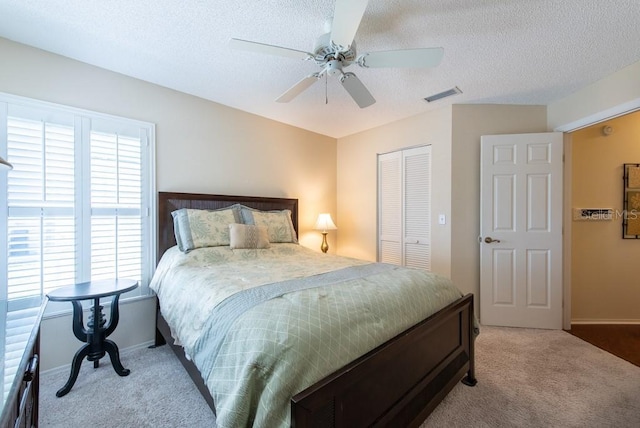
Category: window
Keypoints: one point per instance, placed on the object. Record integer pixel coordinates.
(78, 201)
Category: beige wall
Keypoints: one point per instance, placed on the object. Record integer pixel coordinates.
(604, 266)
(357, 183)
(201, 146)
(454, 134)
(134, 327)
(616, 94)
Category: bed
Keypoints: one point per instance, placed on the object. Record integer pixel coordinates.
(397, 383)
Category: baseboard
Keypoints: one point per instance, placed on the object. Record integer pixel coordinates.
(123, 351)
(601, 321)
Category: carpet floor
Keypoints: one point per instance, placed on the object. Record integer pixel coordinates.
(157, 393)
(526, 378)
(542, 378)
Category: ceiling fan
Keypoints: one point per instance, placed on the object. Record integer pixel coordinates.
(336, 50)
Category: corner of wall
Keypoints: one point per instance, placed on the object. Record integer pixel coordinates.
(616, 94)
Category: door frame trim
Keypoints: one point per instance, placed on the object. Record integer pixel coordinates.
(593, 119)
(567, 224)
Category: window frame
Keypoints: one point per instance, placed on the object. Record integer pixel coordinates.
(82, 130)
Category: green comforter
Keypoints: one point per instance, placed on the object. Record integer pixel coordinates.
(281, 346)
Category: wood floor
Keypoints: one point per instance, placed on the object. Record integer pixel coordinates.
(622, 340)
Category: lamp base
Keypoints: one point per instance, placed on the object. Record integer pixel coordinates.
(324, 247)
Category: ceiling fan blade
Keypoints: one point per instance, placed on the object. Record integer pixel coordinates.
(346, 20)
(357, 90)
(426, 57)
(298, 88)
(263, 48)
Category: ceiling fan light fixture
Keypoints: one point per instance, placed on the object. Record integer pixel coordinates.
(448, 93)
(334, 67)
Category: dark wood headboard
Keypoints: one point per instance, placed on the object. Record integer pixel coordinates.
(168, 202)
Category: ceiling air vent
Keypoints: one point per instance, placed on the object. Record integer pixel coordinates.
(449, 92)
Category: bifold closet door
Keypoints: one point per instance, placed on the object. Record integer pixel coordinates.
(404, 207)
(417, 207)
(390, 208)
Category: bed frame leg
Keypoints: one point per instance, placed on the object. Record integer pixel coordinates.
(470, 380)
(159, 339)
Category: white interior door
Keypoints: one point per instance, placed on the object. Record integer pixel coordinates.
(521, 230)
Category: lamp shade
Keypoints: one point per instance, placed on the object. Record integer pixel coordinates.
(324, 222)
(4, 165)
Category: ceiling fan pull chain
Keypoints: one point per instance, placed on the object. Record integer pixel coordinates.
(326, 89)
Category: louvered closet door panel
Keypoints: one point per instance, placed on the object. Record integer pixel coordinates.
(417, 207)
(390, 208)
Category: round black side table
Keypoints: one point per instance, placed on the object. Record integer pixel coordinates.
(97, 331)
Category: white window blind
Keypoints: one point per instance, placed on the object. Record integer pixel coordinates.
(78, 200)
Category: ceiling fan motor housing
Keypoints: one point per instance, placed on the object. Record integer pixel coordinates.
(324, 52)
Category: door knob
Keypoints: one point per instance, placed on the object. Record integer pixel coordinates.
(490, 240)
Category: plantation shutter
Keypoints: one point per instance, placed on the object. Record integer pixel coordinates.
(78, 200)
(41, 250)
(116, 206)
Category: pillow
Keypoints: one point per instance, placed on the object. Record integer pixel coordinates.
(203, 228)
(248, 236)
(278, 223)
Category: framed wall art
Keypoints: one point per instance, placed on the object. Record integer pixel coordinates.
(631, 217)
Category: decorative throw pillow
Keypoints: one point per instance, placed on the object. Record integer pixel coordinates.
(248, 236)
(278, 223)
(203, 228)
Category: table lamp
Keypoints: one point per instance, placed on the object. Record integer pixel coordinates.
(324, 223)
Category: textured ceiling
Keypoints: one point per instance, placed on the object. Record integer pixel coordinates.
(495, 51)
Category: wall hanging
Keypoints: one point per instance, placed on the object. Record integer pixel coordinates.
(631, 217)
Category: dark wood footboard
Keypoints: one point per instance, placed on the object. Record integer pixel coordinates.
(400, 382)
